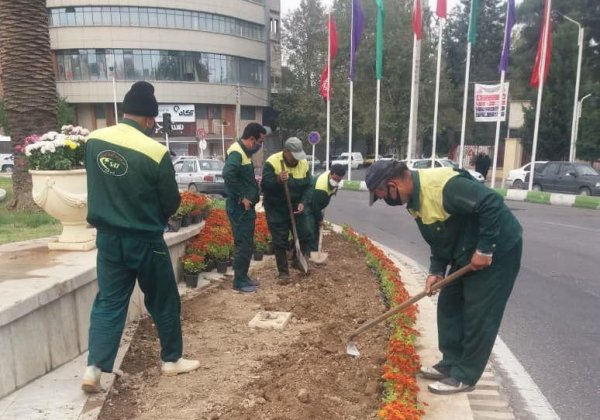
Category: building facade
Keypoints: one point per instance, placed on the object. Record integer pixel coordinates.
(213, 63)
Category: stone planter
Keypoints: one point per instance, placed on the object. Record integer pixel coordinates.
(63, 195)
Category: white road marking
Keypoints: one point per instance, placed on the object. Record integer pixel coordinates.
(572, 226)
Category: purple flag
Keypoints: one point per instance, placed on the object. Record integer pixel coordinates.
(357, 28)
(510, 21)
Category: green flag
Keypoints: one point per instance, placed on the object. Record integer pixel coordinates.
(473, 21)
(379, 40)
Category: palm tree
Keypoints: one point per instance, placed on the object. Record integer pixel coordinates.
(28, 80)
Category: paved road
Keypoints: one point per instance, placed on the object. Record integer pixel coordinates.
(552, 321)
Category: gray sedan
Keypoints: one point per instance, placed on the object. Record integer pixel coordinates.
(200, 175)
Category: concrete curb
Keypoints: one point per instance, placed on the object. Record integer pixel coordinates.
(539, 197)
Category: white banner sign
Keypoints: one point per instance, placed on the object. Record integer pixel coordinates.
(179, 113)
(486, 102)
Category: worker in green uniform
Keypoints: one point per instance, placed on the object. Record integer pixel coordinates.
(323, 188)
(464, 222)
(289, 166)
(242, 195)
(131, 194)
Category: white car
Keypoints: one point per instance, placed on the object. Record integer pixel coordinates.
(441, 162)
(516, 177)
(355, 163)
(199, 175)
(7, 163)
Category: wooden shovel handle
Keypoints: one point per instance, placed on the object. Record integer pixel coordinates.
(290, 208)
(415, 298)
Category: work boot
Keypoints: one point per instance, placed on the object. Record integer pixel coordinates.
(91, 380)
(284, 279)
(180, 366)
(282, 263)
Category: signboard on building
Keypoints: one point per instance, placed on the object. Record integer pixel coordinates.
(486, 102)
(178, 129)
(179, 112)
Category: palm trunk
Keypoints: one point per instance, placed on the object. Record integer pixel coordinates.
(28, 81)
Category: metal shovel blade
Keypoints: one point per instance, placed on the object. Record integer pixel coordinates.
(301, 259)
(351, 349)
(318, 257)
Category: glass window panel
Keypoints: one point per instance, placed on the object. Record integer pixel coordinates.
(134, 16)
(115, 14)
(105, 16)
(187, 20)
(162, 18)
(247, 113)
(100, 113)
(138, 67)
(60, 60)
(148, 74)
(124, 12)
(128, 68)
(170, 18)
(195, 21)
(201, 112)
(97, 15)
(119, 64)
(83, 60)
(87, 16)
(144, 17)
(179, 19)
(152, 17)
(75, 66)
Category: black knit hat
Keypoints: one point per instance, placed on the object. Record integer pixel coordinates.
(140, 100)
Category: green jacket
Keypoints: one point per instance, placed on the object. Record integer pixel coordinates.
(457, 215)
(238, 174)
(130, 182)
(298, 182)
(321, 195)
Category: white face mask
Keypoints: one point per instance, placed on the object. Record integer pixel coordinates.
(333, 183)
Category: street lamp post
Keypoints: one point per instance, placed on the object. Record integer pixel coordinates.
(574, 144)
(574, 122)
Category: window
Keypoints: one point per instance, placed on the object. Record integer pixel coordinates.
(189, 166)
(247, 113)
(156, 17)
(100, 114)
(551, 169)
(178, 166)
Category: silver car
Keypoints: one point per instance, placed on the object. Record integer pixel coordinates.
(199, 175)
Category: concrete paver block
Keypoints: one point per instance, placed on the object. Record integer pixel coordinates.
(60, 324)
(8, 381)
(270, 320)
(29, 336)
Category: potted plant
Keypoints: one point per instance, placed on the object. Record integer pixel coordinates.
(260, 249)
(59, 184)
(220, 254)
(184, 212)
(193, 265)
(196, 216)
(174, 223)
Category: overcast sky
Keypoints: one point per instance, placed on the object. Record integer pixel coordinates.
(289, 5)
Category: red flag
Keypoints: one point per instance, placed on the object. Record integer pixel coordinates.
(441, 9)
(333, 49)
(544, 48)
(416, 19)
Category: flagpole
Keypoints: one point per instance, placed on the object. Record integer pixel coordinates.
(541, 80)
(328, 92)
(414, 98)
(351, 95)
(377, 119)
(464, 113)
(498, 121)
(437, 92)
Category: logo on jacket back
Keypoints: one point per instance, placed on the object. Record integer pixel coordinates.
(112, 163)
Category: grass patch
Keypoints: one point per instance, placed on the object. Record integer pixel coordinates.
(539, 197)
(23, 225)
(587, 202)
(351, 185)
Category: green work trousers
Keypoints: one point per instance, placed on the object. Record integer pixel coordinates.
(280, 225)
(242, 226)
(120, 261)
(312, 225)
(469, 314)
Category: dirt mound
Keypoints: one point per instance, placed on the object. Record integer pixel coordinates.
(300, 372)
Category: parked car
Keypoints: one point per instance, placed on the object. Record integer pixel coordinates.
(441, 162)
(7, 163)
(200, 175)
(567, 178)
(390, 156)
(516, 177)
(309, 159)
(370, 159)
(355, 163)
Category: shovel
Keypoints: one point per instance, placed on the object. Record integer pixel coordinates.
(319, 257)
(299, 254)
(351, 348)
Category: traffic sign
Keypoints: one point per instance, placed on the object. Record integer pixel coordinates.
(314, 137)
(202, 144)
(200, 133)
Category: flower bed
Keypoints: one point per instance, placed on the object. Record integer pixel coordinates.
(400, 389)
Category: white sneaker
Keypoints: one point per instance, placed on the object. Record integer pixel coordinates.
(180, 366)
(430, 372)
(91, 380)
(449, 386)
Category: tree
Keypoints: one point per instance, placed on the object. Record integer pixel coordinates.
(28, 80)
